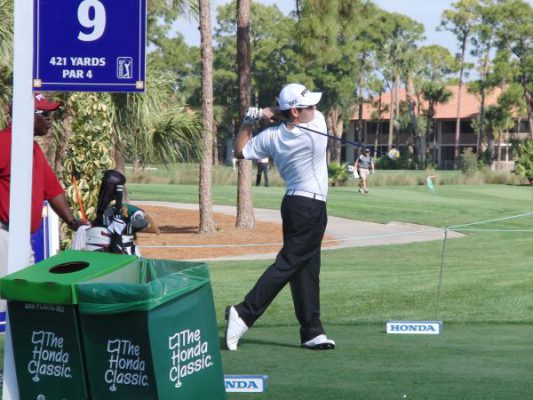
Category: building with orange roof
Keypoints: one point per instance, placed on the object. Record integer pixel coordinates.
(441, 142)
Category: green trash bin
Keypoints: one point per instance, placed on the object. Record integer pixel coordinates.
(44, 321)
(154, 339)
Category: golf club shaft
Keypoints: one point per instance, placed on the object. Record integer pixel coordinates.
(342, 140)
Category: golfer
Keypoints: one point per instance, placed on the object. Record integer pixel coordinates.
(364, 167)
(301, 159)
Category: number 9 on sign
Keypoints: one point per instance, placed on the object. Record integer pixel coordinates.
(91, 15)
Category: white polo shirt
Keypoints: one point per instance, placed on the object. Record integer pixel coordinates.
(300, 155)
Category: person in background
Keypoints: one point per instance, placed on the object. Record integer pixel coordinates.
(262, 169)
(301, 160)
(45, 185)
(364, 166)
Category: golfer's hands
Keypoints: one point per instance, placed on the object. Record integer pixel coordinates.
(253, 115)
(271, 114)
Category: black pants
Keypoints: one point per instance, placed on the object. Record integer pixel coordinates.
(297, 263)
(261, 169)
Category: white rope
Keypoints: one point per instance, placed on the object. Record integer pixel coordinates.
(492, 220)
(492, 230)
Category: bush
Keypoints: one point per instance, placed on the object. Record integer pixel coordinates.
(338, 174)
(469, 162)
(524, 161)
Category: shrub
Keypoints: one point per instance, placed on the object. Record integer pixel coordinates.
(524, 161)
(338, 174)
(469, 162)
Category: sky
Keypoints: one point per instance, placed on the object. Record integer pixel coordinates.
(427, 12)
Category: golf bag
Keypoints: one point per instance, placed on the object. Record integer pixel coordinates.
(116, 224)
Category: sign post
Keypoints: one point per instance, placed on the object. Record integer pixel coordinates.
(90, 45)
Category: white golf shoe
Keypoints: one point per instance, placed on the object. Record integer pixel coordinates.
(235, 328)
(320, 342)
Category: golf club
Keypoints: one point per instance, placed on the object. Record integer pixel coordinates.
(393, 153)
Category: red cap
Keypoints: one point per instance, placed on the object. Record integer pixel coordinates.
(43, 104)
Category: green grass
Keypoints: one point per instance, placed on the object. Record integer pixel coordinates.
(450, 205)
(188, 174)
(468, 362)
(486, 300)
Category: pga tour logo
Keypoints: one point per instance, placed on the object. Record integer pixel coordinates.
(245, 383)
(414, 327)
(124, 67)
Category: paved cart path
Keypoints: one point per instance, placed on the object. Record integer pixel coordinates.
(344, 232)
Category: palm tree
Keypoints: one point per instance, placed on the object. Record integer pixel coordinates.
(245, 212)
(498, 119)
(142, 122)
(460, 21)
(434, 93)
(401, 34)
(207, 223)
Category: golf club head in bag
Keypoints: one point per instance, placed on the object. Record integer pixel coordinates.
(122, 221)
(111, 189)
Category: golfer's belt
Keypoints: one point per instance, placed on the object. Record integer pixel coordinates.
(303, 193)
(4, 227)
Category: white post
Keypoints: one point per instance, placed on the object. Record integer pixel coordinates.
(53, 232)
(21, 167)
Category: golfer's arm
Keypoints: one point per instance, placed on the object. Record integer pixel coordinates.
(244, 135)
(245, 131)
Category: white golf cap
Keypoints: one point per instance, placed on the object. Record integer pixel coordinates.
(295, 95)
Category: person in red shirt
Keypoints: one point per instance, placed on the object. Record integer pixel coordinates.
(45, 184)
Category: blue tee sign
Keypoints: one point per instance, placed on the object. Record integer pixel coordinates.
(89, 45)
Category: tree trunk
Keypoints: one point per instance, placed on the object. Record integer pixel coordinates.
(335, 125)
(499, 151)
(530, 123)
(391, 120)
(136, 166)
(397, 100)
(207, 223)
(360, 100)
(459, 95)
(120, 163)
(378, 125)
(245, 210)
(424, 142)
(481, 120)
(486, 71)
(339, 131)
(410, 95)
(216, 161)
(529, 104)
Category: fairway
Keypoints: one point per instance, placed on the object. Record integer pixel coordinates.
(486, 304)
(470, 362)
